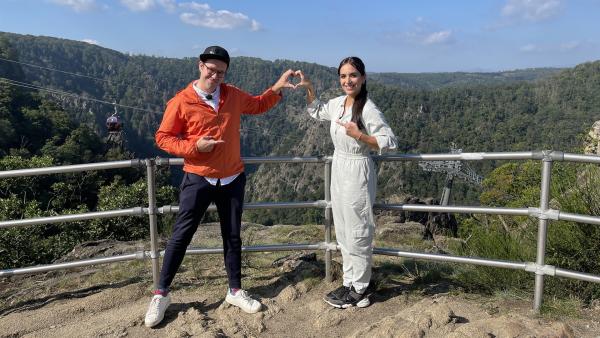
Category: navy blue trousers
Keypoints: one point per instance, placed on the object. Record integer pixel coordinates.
(194, 198)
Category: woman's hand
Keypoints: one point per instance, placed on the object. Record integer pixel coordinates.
(305, 82)
(351, 129)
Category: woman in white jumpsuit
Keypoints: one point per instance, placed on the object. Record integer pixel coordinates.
(357, 126)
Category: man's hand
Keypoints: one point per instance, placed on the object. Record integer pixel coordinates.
(206, 144)
(284, 81)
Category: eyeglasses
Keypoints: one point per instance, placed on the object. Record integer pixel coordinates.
(212, 71)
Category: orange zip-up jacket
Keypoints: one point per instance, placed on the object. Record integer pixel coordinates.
(188, 118)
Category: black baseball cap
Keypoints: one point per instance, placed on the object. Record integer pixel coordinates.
(215, 52)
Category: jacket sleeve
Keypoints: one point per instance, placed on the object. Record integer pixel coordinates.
(170, 136)
(319, 110)
(260, 103)
(377, 127)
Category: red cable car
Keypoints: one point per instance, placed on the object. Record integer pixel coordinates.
(113, 123)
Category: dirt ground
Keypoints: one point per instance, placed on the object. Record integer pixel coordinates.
(111, 300)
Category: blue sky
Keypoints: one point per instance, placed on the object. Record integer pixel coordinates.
(390, 36)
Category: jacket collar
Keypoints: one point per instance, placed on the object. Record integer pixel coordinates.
(190, 95)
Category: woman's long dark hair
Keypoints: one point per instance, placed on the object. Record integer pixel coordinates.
(361, 98)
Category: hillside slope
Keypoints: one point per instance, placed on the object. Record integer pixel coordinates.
(550, 113)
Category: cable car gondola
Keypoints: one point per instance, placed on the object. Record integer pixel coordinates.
(113, 123)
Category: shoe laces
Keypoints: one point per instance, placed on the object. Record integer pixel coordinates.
(154, 305)
(243, 294)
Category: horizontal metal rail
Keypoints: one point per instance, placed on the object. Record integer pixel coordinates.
(566, 216)
(533, 155)
(257, 248)
(453, 209)
(71, 168)
(577, 275)
(527, 266)
(170, 209)
(580, 158)
(258, 160)
(451, 259)
(73, 264)
(138, 211)
(523, 155)
(139, 255)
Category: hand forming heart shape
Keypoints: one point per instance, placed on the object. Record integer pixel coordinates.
(290, 79)
(287, 80)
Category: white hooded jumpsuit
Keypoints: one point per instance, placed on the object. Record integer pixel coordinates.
(353, 185)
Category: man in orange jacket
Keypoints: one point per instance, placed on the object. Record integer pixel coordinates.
(201, 124)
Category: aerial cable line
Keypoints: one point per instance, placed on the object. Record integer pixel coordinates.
(99, 79)
(80, 75)
(272, 114)
(59, 92)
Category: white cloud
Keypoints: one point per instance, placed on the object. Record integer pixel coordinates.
(138, 5)
(169, 5)
(531, 10)
(77, 5)
(202, 15)
(438, 37)
(422, 32)
(255, 26)
(195, 6)
(91, 42)
(570, 45)
(529, 48)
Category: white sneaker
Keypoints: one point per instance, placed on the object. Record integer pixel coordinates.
(156, 310)
(242, 300)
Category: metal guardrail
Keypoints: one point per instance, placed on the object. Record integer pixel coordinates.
(543, 213)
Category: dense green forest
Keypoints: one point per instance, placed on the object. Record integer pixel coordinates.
(510, 111)
(479, 112)
(438, 80)
(36, 132)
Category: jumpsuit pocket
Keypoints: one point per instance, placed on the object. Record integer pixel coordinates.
(361, 232)
(363, 228)
(362, 240)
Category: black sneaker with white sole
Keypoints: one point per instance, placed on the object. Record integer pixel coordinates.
(354, 298)
(337, 297)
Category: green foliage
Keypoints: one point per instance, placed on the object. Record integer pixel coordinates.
(512, 185)
(440, 80)
(575, 189)
(48, 136)
(574, 246)
(119, 195)
(493, 242)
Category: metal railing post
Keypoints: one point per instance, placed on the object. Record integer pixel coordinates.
(542, 232)
(328, 221)
(154, 253)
